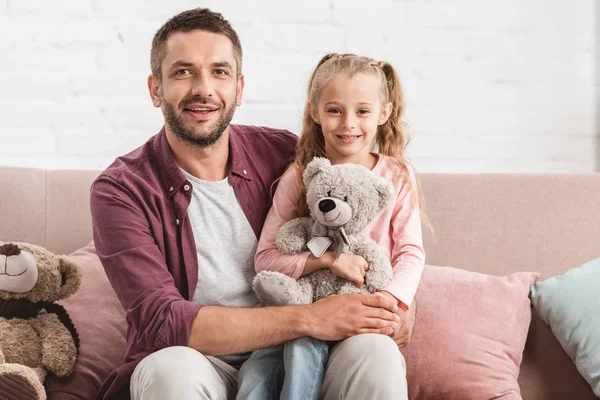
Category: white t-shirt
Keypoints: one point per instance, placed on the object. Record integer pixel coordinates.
(225, 245)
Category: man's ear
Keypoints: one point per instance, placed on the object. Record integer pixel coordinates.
(154, 89)
(386, 111)
(240, 90)
(313, 112)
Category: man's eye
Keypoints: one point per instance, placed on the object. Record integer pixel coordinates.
(221, 72)
(182, 72)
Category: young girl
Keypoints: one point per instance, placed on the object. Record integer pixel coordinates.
(354, 105)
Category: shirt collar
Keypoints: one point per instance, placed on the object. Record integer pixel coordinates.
(240, 164)
(172, 177)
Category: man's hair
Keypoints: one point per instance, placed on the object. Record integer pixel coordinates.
(197, 19)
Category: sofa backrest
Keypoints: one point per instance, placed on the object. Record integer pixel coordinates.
(49, 208)
(506, 223)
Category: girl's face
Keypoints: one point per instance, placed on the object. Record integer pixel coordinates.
(349, 111)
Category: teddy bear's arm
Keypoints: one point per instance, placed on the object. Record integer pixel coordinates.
(58, 348)
(380, 273)
(293, 235)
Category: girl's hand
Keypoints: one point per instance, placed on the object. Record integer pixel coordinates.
(404, 331)
(350, 267)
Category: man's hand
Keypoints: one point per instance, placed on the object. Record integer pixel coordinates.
(341, 316)
(350, 267)
(403, 334)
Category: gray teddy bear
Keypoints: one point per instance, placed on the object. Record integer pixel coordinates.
(343, 199)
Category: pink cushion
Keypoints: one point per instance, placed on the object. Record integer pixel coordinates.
(100, 321)
(469, 336)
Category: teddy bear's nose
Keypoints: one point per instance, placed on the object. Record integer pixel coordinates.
(326, 205)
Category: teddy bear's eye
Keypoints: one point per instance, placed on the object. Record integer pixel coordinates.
(329, 194)
(346, 199)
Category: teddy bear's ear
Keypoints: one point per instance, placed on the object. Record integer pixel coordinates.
(385, 189)
(316, 166)
(71, 276)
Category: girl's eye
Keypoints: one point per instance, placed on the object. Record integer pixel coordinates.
(363, 111)
(334, 111)
(329, 194)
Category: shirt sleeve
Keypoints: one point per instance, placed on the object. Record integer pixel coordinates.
(408, 256)
(137, 270)
(284, 209)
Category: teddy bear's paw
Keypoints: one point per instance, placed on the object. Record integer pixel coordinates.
(20, 382)
(275, 289)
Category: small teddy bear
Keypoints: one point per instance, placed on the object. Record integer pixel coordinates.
(343, 200)
(36, 333)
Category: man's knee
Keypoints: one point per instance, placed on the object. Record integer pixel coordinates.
(366, 365)
(174, 372)
(379, 352)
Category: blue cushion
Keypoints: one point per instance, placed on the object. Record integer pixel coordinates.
(570, 305)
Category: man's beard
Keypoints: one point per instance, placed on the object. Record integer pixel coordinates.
(189, 134)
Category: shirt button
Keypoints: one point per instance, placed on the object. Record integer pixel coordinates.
(171, 189)
(177, 221)
(245, 172)
(186, 187)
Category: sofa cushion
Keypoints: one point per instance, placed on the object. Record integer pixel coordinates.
(570, 305)
(469, 335)
(100, 321)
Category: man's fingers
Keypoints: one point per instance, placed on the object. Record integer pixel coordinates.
(380, 301)
(382, 331)
(382, 313)
(381, 324)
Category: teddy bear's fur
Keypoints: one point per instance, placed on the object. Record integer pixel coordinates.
(36, 333)
(346, 196)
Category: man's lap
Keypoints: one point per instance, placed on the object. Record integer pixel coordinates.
(364, 365)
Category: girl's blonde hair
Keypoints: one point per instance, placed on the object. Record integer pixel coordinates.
(391, 137)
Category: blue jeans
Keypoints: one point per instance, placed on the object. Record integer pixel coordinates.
(291, 371)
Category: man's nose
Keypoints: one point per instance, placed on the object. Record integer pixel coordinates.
(202, 86)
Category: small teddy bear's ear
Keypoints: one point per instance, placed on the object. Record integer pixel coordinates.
(385, 189)
(71, 276)
(316, 166)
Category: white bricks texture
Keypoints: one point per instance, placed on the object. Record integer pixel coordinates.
(491, 86)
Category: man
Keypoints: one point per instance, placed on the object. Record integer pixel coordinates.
(176, 224)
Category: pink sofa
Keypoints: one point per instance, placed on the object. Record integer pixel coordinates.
(496, 224)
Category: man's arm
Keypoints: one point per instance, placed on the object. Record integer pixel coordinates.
(226, 330)
(135, 266)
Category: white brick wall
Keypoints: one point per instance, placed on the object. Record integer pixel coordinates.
(491, 86)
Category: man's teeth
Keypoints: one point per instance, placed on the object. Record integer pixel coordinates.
(200, 109)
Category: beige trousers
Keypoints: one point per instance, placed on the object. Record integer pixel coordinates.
(361, 367)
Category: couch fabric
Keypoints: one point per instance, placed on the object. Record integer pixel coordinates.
(493, 224)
